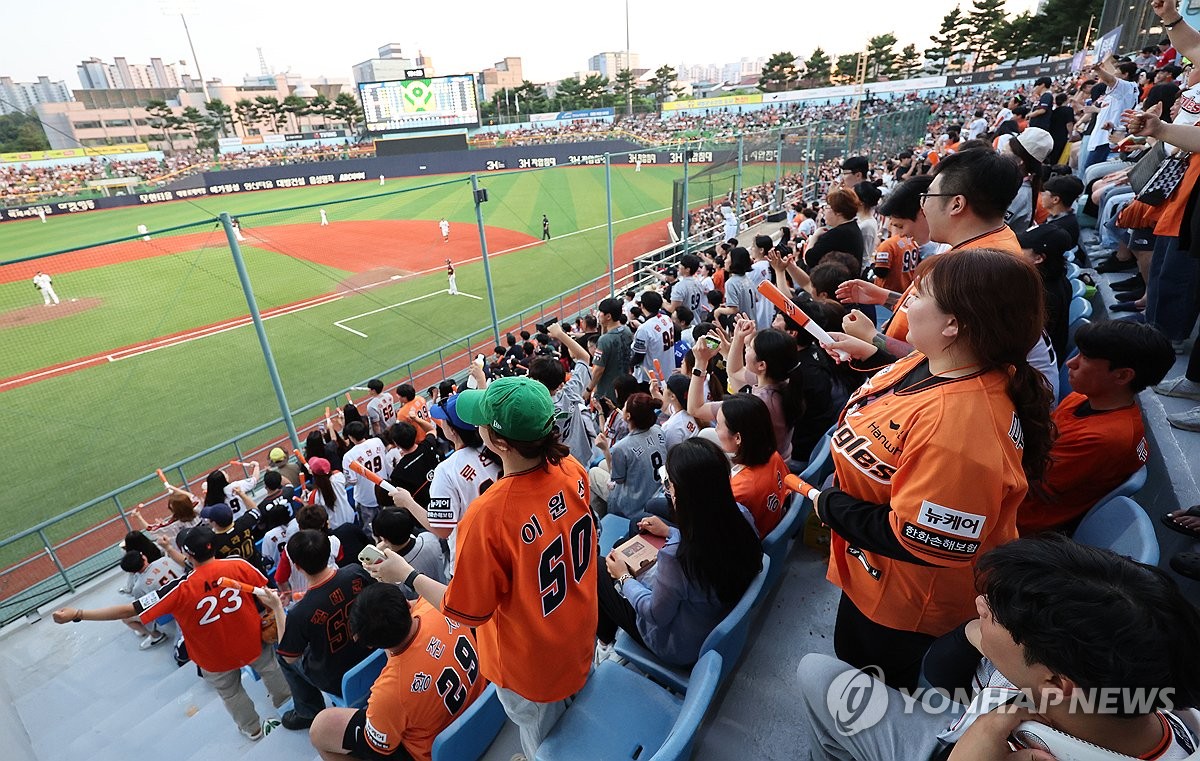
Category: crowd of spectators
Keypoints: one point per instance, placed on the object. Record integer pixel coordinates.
(936, 277)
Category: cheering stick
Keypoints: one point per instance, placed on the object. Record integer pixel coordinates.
(300, 457)
(225, 581)
(374, 478)
(658, 369)
(802, 487)
(303, 484)
(162, 476)
(348, 399)
(772, 294)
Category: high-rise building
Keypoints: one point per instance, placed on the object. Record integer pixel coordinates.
(391, 64)
(95, 74)
(22, 96)
(608, 64)
(505, 75)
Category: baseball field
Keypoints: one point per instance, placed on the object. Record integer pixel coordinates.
(150, 356)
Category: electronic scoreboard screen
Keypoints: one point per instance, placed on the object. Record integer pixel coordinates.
(402, 105)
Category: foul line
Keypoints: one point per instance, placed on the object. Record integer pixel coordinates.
(393, 306)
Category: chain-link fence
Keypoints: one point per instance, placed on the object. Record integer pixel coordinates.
(142, 352)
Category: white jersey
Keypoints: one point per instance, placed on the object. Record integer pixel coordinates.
(340, 512)
(274, 541)
(381, 412)
(764, 311)
(457, 481)
(297, 581)
(655, 339)
(42, 281)
(155, 576)
(444, 226)
(370, 454)
(231, 498)
(679, 427)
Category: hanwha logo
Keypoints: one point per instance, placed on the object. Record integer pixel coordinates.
(857, 700)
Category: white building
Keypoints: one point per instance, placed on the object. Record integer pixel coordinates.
(609, 64)
(95, 74)
(22, 96)
(391, 64)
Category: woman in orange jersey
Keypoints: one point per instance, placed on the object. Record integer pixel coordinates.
(932, 456)
(525, 576)
(744, 430)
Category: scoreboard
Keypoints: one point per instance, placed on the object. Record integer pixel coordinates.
(403, 105)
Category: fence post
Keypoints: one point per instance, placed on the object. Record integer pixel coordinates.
(777, 196)
(612, 247)
(121, 512)
(54, 559)
(687, 212)
(738, 209)
(248, 292)
(487, 269)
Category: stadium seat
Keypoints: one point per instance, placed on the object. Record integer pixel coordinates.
(620, 715)
(613, 528)
(1064, 382)
(1080, 309)
(356, 683)
(1132, 486)
(1072, 329)
(468, 736)
(1120, 525)
(1073, 270)
(882, 315)
(728, 638)
(1078, 289)
(777, 543)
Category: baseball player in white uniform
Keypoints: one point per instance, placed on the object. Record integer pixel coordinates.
(444, 226)
(450, 277)
(42, 214)
(324, 219)
(142, 231)
(43, 283)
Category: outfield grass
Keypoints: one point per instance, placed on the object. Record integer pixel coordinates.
(103, 426)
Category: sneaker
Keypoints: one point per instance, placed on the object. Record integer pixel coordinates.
(293, 720)
(1186, 421)
(1129, 283)
(519, 757)
(1180, 387)
(150, 640)
(1114, 264)
(254, 736)
(604, 652)
(1180, 346)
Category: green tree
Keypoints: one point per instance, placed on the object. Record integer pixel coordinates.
(533, 98)
(569, 93)
(623, 86)
(247, 114)
(592, 89)
(779, 73)
(908, 63)
(295, 107)
(881, 56)
(1015, 37)
(21, 132)
(221, 114)
(348, 110)
(818, 68)
(1061, 19)
(985, 21)
(163, 118)
(662, 85)
(946, 41)
(270, 110)
(320, 106)
(846, 68)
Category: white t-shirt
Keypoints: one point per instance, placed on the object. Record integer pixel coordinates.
(679, 427)
(274, 541)
(231, 499)
(370, 453)
(764, 311)
(1121, 96)
(341, 512)
(655, 338)
(457, 481)
(155, 575)
(381, 411)
(978, 127)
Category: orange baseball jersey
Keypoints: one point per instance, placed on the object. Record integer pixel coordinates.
(424, 687)
(945, 455)
(1093, 454)
(760, 489)
(899, 255)
(419, 405)
(1002, 238)
(526, 579)
(221, 624)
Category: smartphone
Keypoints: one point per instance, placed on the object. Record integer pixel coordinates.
(370, 555)
(713, 343)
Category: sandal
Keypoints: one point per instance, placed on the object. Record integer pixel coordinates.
(1187, 564)
(1192, 512)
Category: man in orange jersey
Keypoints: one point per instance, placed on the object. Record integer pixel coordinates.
(1101, 440)
(526, 567)
(431, 676)
(897, 257)
(413, 408)
(220, 624)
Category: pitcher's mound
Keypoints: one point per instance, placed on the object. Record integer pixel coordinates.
(32, 315)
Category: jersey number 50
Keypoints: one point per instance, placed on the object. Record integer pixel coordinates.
(552, 568)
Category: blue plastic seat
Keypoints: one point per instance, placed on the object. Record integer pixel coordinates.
(1132, 486)
(1078, 288)
(469, 735)
(820, 462)
(1073, 271)
(620, 715)
(728, 639)
(1072, 329)
(613, 528)
(1081, 309)
(1120, 525)
(777, 543)
(356, 683)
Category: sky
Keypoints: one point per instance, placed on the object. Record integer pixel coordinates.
(554, 39)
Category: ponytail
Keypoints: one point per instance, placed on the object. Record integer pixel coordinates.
(781, 354)
(1032, 397)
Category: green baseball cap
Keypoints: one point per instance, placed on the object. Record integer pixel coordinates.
(516, 408)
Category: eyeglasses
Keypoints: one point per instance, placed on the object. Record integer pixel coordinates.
(924, 196)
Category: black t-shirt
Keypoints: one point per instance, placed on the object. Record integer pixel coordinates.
(239, 540)
(1046, 103)
(353, 539)
(414, 471)
(318, 629)
(1059, 119)
(1166, 94)
(846, 237)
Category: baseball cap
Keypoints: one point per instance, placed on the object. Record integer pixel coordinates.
(198, 541)
(1037, 142)
(516, 408)
(220, 514)
(447, 411)
(856, 164)
(678, 384)
(318, 466)
(277, 455)
(1047, 240)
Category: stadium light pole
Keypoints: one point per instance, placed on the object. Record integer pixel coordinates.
(628, 67)
(478, 197)
(687, 214)
(171, 7)
(248, 291)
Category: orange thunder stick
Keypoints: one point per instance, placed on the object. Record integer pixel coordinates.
(374, 478)
(303, 483)
(348, 399)
(772, 294)
(658, 370)
(225, 581)
(161, 476)
(300, 457)
(802, 487)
